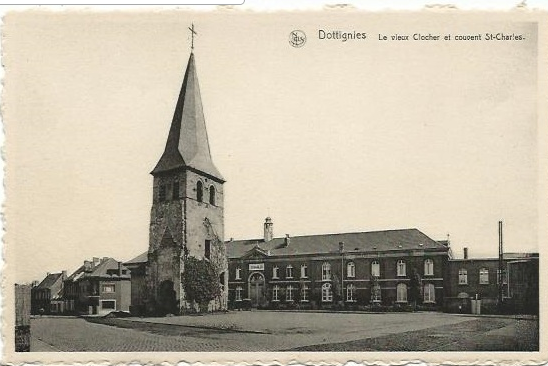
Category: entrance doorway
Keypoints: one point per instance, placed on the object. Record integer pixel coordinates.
(256, 288)
(167, 302)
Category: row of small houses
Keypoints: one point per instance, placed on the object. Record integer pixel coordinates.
(382, 270)
(99, 286)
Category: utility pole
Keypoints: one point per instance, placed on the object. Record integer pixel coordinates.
(341, 250)
(501, 268)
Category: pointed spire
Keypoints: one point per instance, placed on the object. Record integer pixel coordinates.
(187, 143)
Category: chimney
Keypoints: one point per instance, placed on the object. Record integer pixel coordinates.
(96, 262)
(119, 268)
(465, 253)
(287, 240)
(268, 229)
(64, 275)
(87, 266)
(341, 247)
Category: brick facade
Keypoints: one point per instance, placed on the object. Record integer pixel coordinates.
(347, 271)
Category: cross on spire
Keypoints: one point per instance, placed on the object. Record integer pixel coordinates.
(192, 33)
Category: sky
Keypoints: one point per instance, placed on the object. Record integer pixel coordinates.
(330, 137)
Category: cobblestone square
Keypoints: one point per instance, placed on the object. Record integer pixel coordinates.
(284, 331)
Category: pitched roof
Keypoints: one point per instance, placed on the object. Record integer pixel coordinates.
(187, 143)
(141, 258)
(106, 268)
(387, 240)
(50, 280)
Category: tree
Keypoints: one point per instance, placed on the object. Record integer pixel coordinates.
(415, 289)
(337, 289)
(200, 282)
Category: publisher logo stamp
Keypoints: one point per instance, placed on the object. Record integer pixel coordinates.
(297, 38)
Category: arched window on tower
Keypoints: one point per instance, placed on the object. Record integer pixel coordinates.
(200, 191)
(212, 195)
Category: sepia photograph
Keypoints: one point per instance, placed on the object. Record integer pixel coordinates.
(287, 182)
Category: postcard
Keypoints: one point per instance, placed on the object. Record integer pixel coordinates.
(311, 186)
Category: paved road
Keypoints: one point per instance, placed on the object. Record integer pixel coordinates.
(235, 331)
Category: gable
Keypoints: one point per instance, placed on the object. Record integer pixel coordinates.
(255, 253)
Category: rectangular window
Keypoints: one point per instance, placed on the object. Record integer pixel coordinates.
(289, 294)
(238, 274)
(428, 267)
(326, 272)
(275, 272)
(327, 294)
(109, 288)
(351, 270)
(484, 276)
(401, 290)
(207, 250)
(289, 271)
(463, 277)
(401, 268)
(429, 293)
(275, 291)
(239, 293)
(375, 269)
(503, 276)
(108, 304)
(304, 292)
(376, 293)
(350, 293)
(162, 193)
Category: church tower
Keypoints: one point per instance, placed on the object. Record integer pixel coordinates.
(187, 209)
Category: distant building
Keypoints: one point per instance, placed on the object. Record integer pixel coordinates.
(46, 297)
(137, 266)
(471, 278)
(99, 286)
(392, 267)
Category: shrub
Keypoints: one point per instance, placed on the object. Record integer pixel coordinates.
(200, 282)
